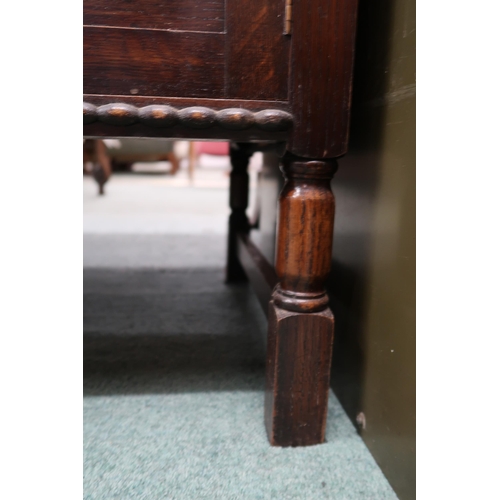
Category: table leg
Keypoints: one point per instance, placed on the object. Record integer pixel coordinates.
(238, 201)
(192, 159)
(94, 150)
(300, 322)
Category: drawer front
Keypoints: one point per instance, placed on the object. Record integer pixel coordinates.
(218, 49)
(153, 62)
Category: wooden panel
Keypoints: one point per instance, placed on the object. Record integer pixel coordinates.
(187, 15)
(322, 60)
(156, 63)
(258, 52)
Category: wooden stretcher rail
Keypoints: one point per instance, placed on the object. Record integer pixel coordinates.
(259, 271)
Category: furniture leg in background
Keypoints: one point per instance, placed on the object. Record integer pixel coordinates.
(300, 334)
(94, 151)
(240, 155)
(174, 161)
(192, 159)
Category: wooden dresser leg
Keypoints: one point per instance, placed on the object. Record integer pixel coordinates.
(300, 322)
(238, 201)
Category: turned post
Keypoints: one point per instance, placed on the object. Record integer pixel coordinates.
(238, 201)
(94, 150)
(300, 322)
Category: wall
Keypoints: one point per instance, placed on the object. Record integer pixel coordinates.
(372, 284)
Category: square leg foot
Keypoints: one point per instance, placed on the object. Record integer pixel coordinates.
(299, 353)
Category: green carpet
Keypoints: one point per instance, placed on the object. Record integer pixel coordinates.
(173, 398)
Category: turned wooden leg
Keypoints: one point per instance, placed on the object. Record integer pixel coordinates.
(300, 322)
(192, 159)
(238, 201)
(102, 167)
(174, 161)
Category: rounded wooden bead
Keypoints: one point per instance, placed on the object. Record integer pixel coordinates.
(89, 113)
(273, 120)
(309, 169)
(235, 118)
(197, 117)
(155, 115)
(158, 116)
(300, 302)
(305, 233)
(117, 114)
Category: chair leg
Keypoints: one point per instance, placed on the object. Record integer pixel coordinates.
(300, 323)
(238, 201)
(102, 167)
(192, 159)
(174, 161)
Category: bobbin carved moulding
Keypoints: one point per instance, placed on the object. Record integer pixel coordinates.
(200, 68)
(183, 68)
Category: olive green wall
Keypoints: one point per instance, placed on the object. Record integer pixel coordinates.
(372, 283)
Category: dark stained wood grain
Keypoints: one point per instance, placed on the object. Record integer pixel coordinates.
(305, 233)
(300, 323)
(323, 35)
(251, 60)
(258, 269)
(299, 348)
(258, 52)
(186, 15)
(156, 63)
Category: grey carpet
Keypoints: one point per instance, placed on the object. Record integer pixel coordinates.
(161, 251)
(173, 393)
